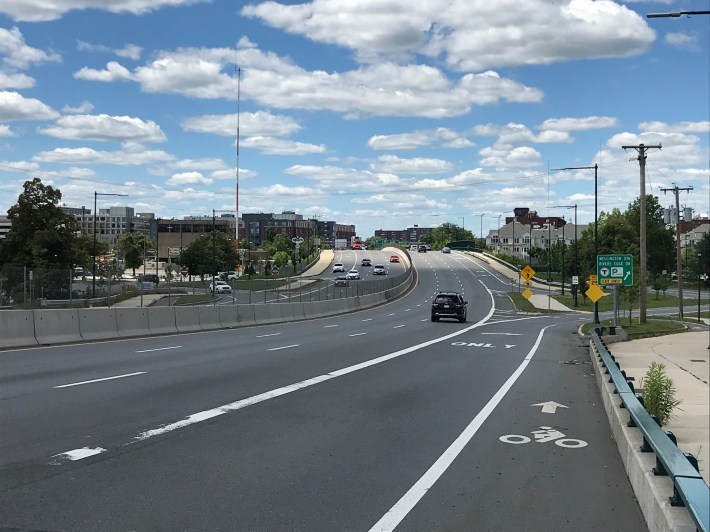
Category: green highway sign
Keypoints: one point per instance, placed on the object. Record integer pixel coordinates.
(615, 269)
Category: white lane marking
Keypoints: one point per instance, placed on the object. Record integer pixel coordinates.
(283, 347)
(75, 454)
(398, 326)
(505, 334)
(267, 335)
(399, 511)
(407, 310)
(424, 320)
(159, 349)
(329, 326)
(357, 334)
(392, 314)
(368, 319)
(99, 380)
(236, 405)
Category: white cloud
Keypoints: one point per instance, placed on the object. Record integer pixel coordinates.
(114, 72)
(276, 146)
(125, 157)
(417, 139)
(188, 178)
(14, 106)
(131, 51)
(579, 124)
(104, 128)
(513, 133)
(385, 89)
(15, 81)
(678, 127)
(5, 131)
(417, 165)
(18, 166)
(17, 54)
(199, 164)
(471, 35)
(83, 108)
(46, 10)
(260, 123)
(509, 157)
(683, 40)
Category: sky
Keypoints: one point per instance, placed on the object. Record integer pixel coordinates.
(383, 114)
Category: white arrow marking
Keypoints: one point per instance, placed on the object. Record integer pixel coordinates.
(549, 407)
(508, 346)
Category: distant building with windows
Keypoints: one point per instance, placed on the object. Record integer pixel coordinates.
(411, 234)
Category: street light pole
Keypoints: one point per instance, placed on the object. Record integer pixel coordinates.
(700, 256)
(93, 265)
(576, 262)
(596, 231)
(482, 245)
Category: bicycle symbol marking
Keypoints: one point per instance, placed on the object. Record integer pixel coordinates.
(544, 435)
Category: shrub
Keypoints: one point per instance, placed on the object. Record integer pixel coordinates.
(659, 393)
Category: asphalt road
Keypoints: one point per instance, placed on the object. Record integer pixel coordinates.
(367, 421)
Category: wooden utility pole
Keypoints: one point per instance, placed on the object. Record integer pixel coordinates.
(679, 263)
(641, 149)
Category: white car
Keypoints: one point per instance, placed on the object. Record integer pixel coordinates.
(220, 287)
(352, 274)
(232, 276)
(379, 269)
(338, 267)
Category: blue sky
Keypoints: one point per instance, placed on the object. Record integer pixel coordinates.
(381, 114)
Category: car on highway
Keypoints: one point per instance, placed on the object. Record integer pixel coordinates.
(352, 274)
(422, 249)
(220, 287)
(379, 269)
(394, 258)
(338, 267)
(448, 305)
(445, 250)
(341, 280)
(366, 262)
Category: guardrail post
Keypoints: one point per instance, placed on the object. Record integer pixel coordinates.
(631, 422)
(659, 470)
(646, 448)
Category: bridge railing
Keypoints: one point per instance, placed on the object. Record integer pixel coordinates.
(689, 487)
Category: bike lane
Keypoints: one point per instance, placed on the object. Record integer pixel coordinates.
(544, 458)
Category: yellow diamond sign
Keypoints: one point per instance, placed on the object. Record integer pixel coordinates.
(527, 293)
(527, 272)
(594, 293)
(527, 282)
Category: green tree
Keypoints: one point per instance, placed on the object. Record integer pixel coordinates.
(280, 258)
(445, 233)
(209, 253)
(132, 246)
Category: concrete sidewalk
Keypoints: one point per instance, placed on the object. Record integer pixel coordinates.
(687, 360)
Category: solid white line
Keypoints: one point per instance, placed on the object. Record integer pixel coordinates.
(329, 326)
(99, 380)
(267, 335)
(76, 454)
(397, 326)
(400, 510)
(159, 349)
(357, 334)
(283, 347)
(505, 334)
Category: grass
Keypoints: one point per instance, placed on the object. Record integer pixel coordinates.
(652, 327)
(606, 303)
(193, 300)
(522, 304)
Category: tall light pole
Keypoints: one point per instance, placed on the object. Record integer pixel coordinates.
(481, 215)
(576, 263)
(700, 256)
(93, 265)
(498, 235)
(596, 229)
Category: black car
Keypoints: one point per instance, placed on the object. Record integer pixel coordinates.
(422, 249)
(341, 280)
(448, 305)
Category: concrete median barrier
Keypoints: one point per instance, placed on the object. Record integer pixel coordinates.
(209, 318)
(161, 320)
(236, 316)
(187, 319)
(59, 326)
(132, 322)
(314, 309)
(268, 313)
(18, 328)
(98, 323)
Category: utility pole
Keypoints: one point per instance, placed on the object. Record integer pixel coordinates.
(679, 262)
(641, 149)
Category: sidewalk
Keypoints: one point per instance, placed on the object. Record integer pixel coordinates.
(687, 361)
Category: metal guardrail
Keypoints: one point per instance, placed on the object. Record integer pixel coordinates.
(689, 487)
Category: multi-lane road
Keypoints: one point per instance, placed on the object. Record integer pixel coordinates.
(366, 421)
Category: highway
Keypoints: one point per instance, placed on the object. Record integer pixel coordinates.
(373, 420)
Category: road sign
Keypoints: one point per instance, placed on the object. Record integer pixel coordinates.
(615, 269)
(594, 293)
(527, 293)
(575, 279)
(297, 240)
(527, 272)
(184, 271)
(592, 280)
(527, 282)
